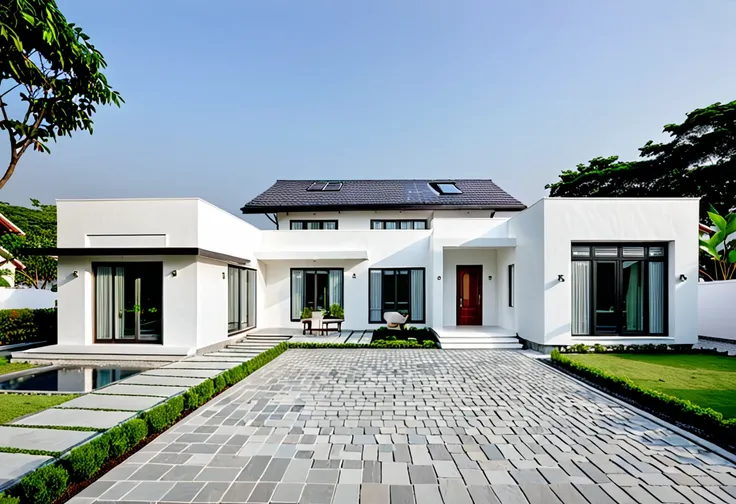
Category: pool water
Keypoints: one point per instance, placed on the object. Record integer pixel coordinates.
(69, 379)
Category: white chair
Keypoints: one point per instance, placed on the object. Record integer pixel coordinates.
(317, 317)
(395, 320)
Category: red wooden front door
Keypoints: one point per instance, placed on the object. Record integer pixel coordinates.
(469, 295)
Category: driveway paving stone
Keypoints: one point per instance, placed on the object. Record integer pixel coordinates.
(50, 439)
(417, 426)
(75, 418)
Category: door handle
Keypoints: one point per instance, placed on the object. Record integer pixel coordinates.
(461, 302)
(478, 299)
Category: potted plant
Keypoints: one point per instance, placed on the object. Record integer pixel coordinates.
(306, 313)
(335, 312)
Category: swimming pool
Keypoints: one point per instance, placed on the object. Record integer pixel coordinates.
(69, 379)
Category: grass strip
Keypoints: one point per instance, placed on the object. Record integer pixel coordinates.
(44, 453)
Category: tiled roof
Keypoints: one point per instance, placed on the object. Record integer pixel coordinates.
(292, 195)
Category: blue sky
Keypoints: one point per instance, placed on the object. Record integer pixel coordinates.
(222, 101)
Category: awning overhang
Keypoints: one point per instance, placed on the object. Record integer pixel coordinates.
(312, 255)
(135, 251)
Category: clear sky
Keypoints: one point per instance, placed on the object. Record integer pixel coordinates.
(225, 97)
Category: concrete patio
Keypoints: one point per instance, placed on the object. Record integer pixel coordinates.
(416, 426)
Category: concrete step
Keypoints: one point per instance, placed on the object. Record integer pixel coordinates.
(469, 340)
(481, 346)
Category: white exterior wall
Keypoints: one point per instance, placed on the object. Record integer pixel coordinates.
(361, 220)
(716, 316)
(489, 296)
(568, 220)
(27, 298)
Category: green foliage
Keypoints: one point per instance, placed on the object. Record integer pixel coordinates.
(43, 485)
(220, 384)
(578, 348)
(421, 334)
(7, 499)
(306, 313)
(698, 161)
(39, 225)
(162, 417)
(136, 430)
(25, 325)
(336, 311)
(706, 420)
(84, 462)
(719, 247)
(17, 405)
(53, 74)
(118, 441)
(598, 348)
(429, 344)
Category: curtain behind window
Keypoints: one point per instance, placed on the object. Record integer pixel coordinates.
(656, 297)
(297, 293)
(374, 295)
(103, 302)
(417, 295)
(335, 286)
(232, 299)
(251, 309)
(581, 297)
(296, 225)
(330, 225)
(119, 300)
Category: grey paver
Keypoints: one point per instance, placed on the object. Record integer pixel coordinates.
(149, 491)
(348, 426)
(14, 465)
(125, 403)
(76, 418)
(46, 439)
(187, 373)
(183, 491)
(188, 364)
(143, 379)
(144, 390)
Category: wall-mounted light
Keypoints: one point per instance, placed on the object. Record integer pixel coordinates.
(493, 214)
(223, 275)
(439, 277)
(683, 278)
(174, 273)
(560, 278)
(354, 276)
(75, 273)
(490, 277)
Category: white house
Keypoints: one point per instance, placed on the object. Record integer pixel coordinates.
(176, 276)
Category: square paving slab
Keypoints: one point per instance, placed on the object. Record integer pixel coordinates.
(187, 373)
(143, 379)
(145, 390)
(14, 465)
(41, 439)
(188, 364)
(102, 401)
(421, 427)
(76, 418)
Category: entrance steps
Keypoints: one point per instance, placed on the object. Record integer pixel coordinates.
(477, 337)
(248, 347)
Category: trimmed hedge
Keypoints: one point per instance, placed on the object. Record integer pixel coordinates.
(706, 420)
(48, 483)
(421, 334)
(648, 348)
(27, 325)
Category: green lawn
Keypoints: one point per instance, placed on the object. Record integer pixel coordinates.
(706, 380)
(17, 405)
(7, 367)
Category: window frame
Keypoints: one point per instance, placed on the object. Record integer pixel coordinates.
(291, 286)
(424, 294)
(398, 222)
(305, 228)
(619, 259)
(512, 286)
(436, 187)
(241, 269)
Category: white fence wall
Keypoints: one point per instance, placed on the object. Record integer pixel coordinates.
(26, 298)
(716, 313)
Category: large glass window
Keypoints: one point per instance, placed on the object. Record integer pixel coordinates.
(398, 224)
(399, 290)
(618, 289)
(315, 289)
(241, 298)
(313, 224)
(128, 302)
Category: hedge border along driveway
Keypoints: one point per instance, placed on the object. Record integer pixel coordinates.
(704, 422)
(77, 468)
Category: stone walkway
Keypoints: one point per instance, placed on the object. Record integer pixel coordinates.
(109, 406)
(404, 426)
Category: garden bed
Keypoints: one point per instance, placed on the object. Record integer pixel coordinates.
(632, 378)
(420, 334)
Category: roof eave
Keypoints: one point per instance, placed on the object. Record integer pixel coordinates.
(255, 209)
(12, 227)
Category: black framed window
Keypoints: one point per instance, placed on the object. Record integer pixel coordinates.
(619, 289)
(399, 224)
(396, 290)
(241, 298)
(316, 289)
(511, 285)
(313, 224)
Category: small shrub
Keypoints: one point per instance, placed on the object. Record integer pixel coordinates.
(306, 313)
(43, 485)
(618, 348)
(390, 337)
(191, 399)
(7, 499)
(25, 324)
(157, 419)
(598, 348)
(661, 348)
(429, 344)
(220, 383)
(578, 348)
(136, 431)
(336, 311)
(118, 441)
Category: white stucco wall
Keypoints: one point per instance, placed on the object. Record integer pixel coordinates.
(716, 315)
(568, 220)
(27, 298)
(463, 257)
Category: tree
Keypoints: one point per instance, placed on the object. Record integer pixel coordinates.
(698, 161)
(49, 75)
(39, 225)
(719, 248)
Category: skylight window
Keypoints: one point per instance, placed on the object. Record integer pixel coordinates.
(445, 187)
(325, 186)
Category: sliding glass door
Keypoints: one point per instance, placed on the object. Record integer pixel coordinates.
(241, 299)
(128, 302)
(618, 290)
(316, 289)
